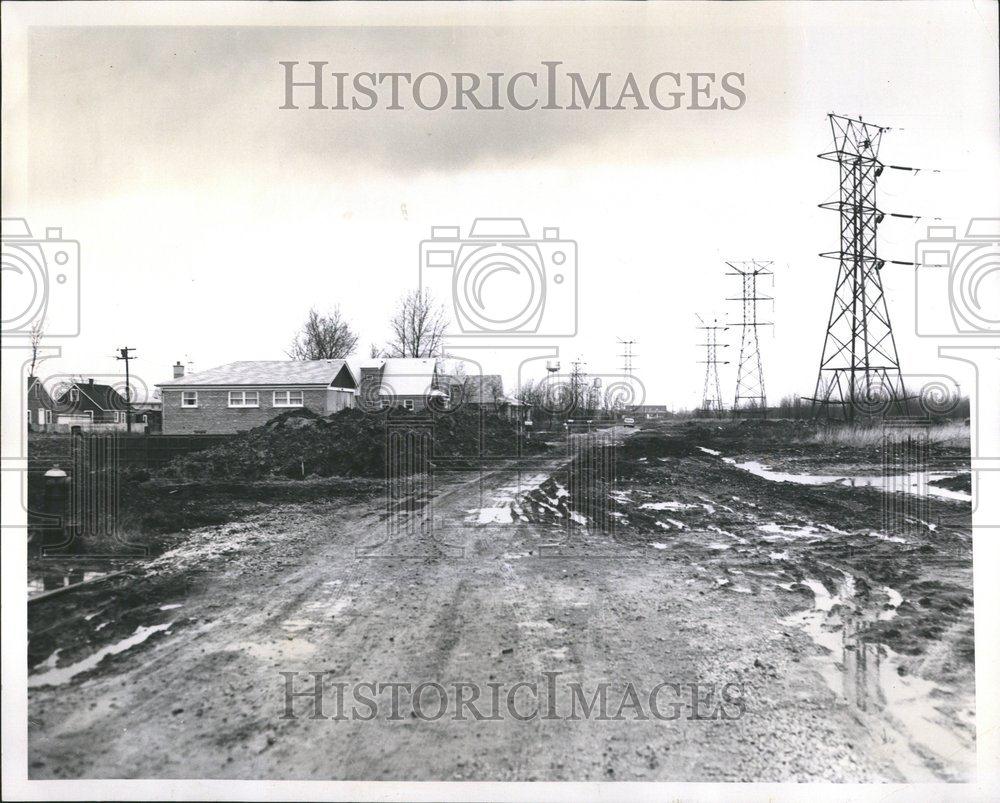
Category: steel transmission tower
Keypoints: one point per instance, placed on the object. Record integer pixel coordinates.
(859, 369)
(627, 356)
(750, 393)
(712, 395)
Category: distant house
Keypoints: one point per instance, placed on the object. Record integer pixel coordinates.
(40, 407)
(242, 395)
(652, 411)
(148, 414)
(407, 383)
(485, 392)
(85, 404)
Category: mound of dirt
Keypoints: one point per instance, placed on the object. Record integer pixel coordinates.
(656, 444)
(960, 482)
(299, 444)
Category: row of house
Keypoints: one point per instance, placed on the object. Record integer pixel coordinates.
(242, 395)
(89, 405)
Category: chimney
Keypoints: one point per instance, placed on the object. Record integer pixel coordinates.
(90, 381)
(178, 370)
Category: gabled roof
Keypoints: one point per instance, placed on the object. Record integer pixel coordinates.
(104, 397)
(37, 390)
(409, 376)
(271, 372)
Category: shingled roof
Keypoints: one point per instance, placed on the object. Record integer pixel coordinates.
(269, 372)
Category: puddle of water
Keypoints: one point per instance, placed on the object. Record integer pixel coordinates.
(495, 515)
(728, 534)
(915, 482)
(57, 676)
(872, 679)
(895, 539)
(667, 506)
(712, 452)
(172, 606)
(895, 600)
(787, 532)
(658, 545)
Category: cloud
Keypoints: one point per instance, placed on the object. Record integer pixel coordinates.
(112, 108)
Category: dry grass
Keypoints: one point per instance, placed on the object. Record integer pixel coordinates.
(951, 434)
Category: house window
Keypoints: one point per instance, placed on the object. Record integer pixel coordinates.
(189, 398)
(119, 418)
(407, 404)
(288, 398)
(74, 394)
(243, 398)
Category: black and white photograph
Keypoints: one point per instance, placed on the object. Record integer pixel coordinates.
(501, 401)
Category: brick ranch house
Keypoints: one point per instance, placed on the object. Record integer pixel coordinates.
(242, 395)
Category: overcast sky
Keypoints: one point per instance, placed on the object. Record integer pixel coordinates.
(210, 220)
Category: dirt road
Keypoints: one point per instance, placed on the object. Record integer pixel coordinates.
(188, 683)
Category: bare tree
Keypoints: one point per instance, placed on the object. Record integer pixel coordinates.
(323, 337)
(418, 327)
(36, 334)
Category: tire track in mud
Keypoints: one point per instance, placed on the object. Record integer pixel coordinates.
(648, 616)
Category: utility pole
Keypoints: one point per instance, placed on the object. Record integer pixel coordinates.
(859, 368)
(125, 353)
(575, 377)
(750, 372)
(712, 395)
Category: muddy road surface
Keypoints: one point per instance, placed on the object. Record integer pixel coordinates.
(767, 630)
